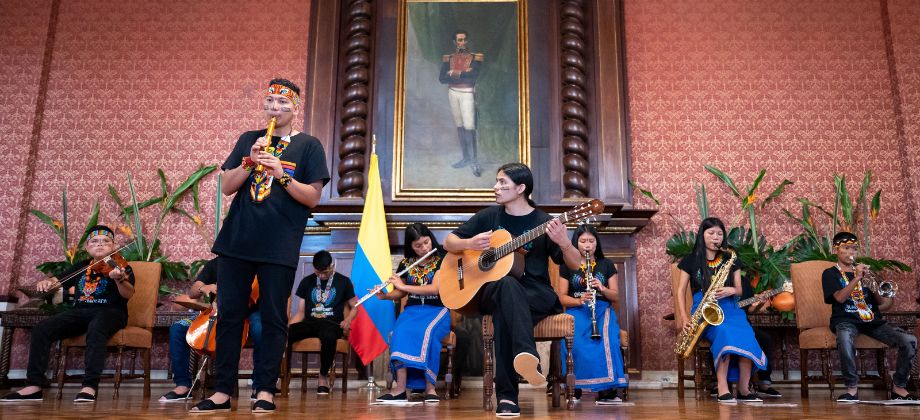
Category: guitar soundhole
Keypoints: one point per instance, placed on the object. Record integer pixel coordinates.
(487, 260)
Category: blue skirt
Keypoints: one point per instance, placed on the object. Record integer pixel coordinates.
(416, 343)
(598, 363)
(734, 337)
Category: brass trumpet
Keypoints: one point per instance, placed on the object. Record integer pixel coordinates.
(884, 288)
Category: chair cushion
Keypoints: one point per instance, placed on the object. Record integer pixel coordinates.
(312, 345)
(822, 338)
(128, 337)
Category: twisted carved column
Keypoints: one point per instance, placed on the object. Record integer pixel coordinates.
(574, 101)
(355, 95)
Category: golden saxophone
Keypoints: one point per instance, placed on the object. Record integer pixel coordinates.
(707, 313)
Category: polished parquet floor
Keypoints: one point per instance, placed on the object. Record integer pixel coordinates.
(646, 404)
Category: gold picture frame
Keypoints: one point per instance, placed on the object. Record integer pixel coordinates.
(430, 133)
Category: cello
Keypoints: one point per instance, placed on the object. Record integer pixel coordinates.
(202, 332)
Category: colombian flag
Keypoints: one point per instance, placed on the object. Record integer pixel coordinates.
(371, 328)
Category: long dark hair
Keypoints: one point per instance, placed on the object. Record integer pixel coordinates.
(699, 251)
(586, 228)
(414, 232)
(520, 174)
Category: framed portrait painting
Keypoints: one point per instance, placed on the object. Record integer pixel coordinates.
(461, 100)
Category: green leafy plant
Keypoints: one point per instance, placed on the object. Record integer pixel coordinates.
(149, 248)
(72, 252)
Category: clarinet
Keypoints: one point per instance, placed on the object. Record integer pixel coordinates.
(592, 302)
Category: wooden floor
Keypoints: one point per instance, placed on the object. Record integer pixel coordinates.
(648, 404)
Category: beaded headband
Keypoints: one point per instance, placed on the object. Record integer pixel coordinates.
(104, 232)
(285, 91)
(845, 241)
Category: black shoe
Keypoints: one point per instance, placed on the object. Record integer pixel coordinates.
(322, 390)
(390, 398)
(172, 396)
(507, 410)
(714, 391)
(263, 407)
(847, 399)
(749, 398)
(84, 397)
(17, 397)
(908, 397)
(769, 392)
(727, 398)
(432, 399)
(208, 406)
(254, 396)
(577, 394)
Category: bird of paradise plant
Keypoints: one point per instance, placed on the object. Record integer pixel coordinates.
(73, 252)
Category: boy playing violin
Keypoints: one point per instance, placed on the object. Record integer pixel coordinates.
(100, 309)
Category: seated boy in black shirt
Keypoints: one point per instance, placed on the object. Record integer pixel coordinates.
(857, 310)
(100, 310)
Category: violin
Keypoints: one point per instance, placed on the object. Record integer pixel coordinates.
(108, 263)
(202, 333)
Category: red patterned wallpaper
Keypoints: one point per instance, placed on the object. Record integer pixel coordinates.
(800, 88)
(140, 85)
(25, 27)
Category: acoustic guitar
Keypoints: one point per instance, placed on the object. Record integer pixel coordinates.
(462, 274)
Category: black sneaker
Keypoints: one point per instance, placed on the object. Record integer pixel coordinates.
(713, 391)
(847, 399)
(263, 407)
(577, 394)
(84, 397)
(432, 399)
(908, 397)
(749, 398)
(727, 398)
(172, 396)
(390, 398)
(507, 410)
(608, 397)
(769, 392)
(322, 390)
(17, 397)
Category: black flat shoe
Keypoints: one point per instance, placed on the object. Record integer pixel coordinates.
(84, 397)
(17, 397)
(263, 407)
(389, 398)
(322, 390)
(172, 396)
(208, 406)
(507, 410)
(432, 399)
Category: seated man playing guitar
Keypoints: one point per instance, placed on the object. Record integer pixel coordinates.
(516, 304)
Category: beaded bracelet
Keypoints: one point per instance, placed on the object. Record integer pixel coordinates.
(285, 180)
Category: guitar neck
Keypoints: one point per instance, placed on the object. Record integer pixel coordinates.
(761, 296)
(526, 237)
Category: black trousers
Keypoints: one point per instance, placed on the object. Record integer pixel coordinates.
(326, 330)
(516, 307)
(99, 324)
(233, 290)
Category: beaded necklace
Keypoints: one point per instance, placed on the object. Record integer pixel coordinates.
(858, 297)
(321, 295)
(261, 185)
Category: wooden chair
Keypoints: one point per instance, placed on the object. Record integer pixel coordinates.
(624, 350)
(812, 317)
(309, 346)
(136, 336)
(702, 370)
(448, 344)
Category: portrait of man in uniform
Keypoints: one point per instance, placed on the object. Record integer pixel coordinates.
(461, 97)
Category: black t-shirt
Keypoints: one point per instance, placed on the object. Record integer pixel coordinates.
(831, 281)
(700, 277)
(97, 290)
(271, 231)
(536, 264)
(333, 306)
(420, 275)
(604, 270)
